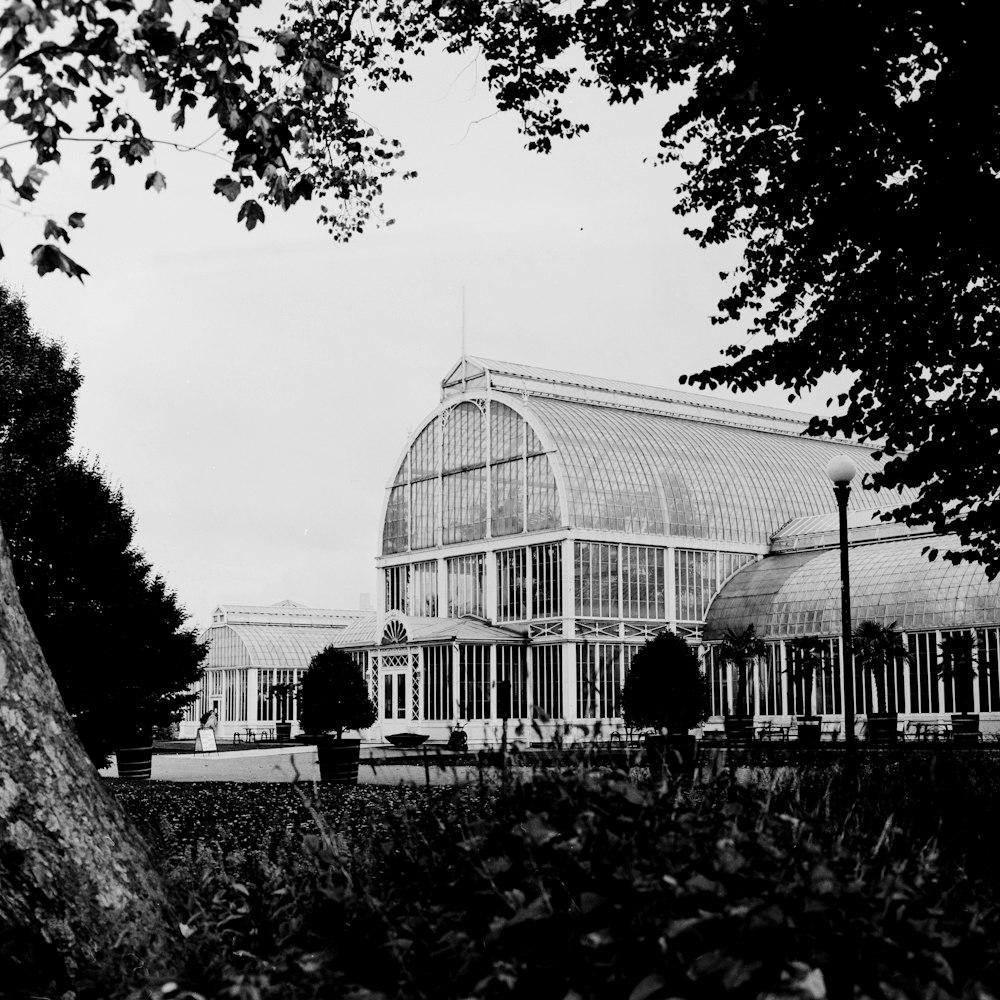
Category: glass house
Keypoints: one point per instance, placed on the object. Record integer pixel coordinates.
(539, 526)
(251, 649)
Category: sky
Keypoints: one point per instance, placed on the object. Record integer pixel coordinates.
(252, 392)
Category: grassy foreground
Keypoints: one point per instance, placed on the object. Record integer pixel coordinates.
(580, 885)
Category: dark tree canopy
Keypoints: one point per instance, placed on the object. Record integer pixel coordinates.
(333, 696)
(665, 688)
(110, 630)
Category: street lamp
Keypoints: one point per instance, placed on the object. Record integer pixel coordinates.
(842, 470)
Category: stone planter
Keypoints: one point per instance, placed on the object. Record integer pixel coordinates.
(809, 729)
(338, 760)
(965, 729)
(135, 763)
(883, 728)
(283, 731)
(739, 729)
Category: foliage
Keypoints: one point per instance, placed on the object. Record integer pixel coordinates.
(878, 648)
(809, 658)
(112, 634)
(582, 883)
(333, 695)
(741, 649)
(281, 114)
(664, 687)
(956, 665)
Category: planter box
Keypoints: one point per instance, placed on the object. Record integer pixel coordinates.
(407, 741)
(338, 760)
(809, 729)
(739, 729)
(283, 730)
(883, 728)
(965, 728)
(135, 763)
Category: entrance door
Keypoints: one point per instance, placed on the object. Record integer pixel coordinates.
(393, 694)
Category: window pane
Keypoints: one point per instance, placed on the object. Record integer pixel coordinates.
(643, 587)
(546, 682)
(423, 454)
(437, 682)
(546, 580)
(465, 506)
(395, 528)
(596, 568)
(511, 586)
(543, 498)
(505, 432)
(508, 499)
(396, 588)
(465, 585)
(696, 583)
(425, 514)
(464, 437)
(424, 599)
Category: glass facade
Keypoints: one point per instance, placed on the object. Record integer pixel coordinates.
(546, 682)
(470, 469)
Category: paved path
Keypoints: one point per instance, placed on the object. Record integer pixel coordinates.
(289, 765)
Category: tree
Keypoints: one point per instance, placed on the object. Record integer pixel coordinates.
(111, 53)
(956, 666)
(741, 649)
(664, 687)
(77, 890)
(109, 629)
(808, 658)
(877, 649)
(333, 695)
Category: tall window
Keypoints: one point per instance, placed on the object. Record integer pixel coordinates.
(988, 673)
(596, 569)
(396, 522)
(598, 680)
(507, 516)
(512, 666)
(438, 702)
(643, 587)
(465, 585)
(424, 589)
(542, 498)
(465, 505)
(546, 682)
(923, 682)
(546, 580)
(474, 682)
(397, 588)
(269, 707)
(512, 585)
(696, 582)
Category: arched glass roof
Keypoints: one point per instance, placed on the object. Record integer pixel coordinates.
(892, 581)
(266, 645)
(633, 471)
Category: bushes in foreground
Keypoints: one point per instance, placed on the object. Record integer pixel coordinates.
(578, 885)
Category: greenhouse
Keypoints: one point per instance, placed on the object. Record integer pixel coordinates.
(251, 650)
(583, 515)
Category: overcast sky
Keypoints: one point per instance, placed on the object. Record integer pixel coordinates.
(252, 392)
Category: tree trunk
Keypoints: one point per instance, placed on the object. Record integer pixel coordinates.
(76, 882)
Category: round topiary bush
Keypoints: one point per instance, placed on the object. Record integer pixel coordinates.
(333, 695)
(665, 688)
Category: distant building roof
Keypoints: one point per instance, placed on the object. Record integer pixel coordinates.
(282, 613)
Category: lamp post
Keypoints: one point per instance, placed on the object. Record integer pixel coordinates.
(841, 471)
